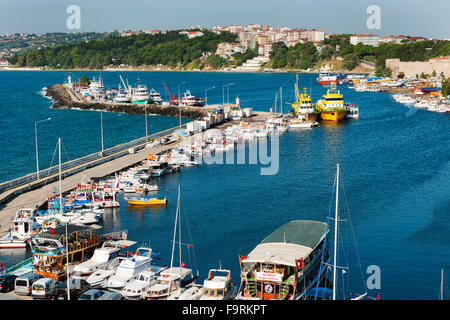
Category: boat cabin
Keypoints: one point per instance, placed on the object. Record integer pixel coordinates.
(285, 263)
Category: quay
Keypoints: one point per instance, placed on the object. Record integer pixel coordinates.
(29, 192)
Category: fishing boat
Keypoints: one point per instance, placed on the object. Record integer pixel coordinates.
(331, 106)
(326, 78)
(103, 257)
(303, 106)
(285, 264)
(131, 266)
(154, 97)
(141, 201)
(352, 111)
(139, 95)
(217, 286)
(122, 96)
(24, 227)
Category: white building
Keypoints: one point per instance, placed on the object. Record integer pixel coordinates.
(366, 39)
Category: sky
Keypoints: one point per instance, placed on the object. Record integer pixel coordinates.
(397, 17)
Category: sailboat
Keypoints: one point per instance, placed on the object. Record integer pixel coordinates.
(324, 292)
(174, 281)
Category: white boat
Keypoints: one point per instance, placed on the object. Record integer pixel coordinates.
(175, 280)
(155, 97)
(24, 227)
(122, 96)
(139, 95)
(217, 286)
(102, 258)
(138, 287)
(169, 282)
(129, 267)
(100, 277)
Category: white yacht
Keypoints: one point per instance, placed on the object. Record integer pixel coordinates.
(24, 227)
(129, 267)
(217, 286)
(169, 282)
(138, 287)
(103, 258)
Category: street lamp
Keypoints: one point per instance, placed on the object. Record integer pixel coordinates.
(101, 128)
(35, 137)
(206, 97)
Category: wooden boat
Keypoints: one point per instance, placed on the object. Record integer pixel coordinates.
(57, 249)
(285, 264)
(139, 201)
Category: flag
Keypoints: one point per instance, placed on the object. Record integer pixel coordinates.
(183, 265)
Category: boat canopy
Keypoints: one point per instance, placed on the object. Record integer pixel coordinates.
(294, 240)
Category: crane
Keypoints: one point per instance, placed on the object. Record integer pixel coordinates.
(172, 99)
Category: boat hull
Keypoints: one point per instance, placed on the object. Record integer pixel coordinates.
(149, 202)
(139, 101)
(333, 115)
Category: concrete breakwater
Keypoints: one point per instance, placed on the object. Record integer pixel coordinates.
(63, 99)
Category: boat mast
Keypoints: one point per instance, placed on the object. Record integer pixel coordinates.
(281, 99)
(441, 294)
(61, 212)
(335, 232)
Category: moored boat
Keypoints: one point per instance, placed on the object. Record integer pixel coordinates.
(331, 106)
(285, 264)
(141, 201)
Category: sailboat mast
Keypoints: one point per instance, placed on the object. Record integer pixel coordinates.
(442, 285)
(335, 232)
(281, 99)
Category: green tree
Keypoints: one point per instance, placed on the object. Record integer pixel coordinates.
(351, 61)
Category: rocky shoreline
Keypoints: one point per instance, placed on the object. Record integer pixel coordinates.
(63, 100)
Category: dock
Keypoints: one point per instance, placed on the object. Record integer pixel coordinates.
(65, 98)
(30, 192)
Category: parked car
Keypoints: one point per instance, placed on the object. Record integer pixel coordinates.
(109, 295)
(96, 294)
(77, 287)
(43, 288)
(92, 294)
(7, 282)
(24, 283)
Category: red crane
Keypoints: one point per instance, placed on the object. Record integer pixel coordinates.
(172, 99)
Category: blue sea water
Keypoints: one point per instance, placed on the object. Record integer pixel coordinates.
(395, 168)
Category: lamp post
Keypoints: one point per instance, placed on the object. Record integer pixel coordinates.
(206, 97)
(101, 128)
(35, 137)
(146, 126)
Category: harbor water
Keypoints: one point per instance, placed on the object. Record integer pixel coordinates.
(395, 168)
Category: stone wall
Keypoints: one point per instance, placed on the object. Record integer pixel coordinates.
(413, 68)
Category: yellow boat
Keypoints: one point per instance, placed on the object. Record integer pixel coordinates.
(332, 107)
(146, 202)
(303, 106)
